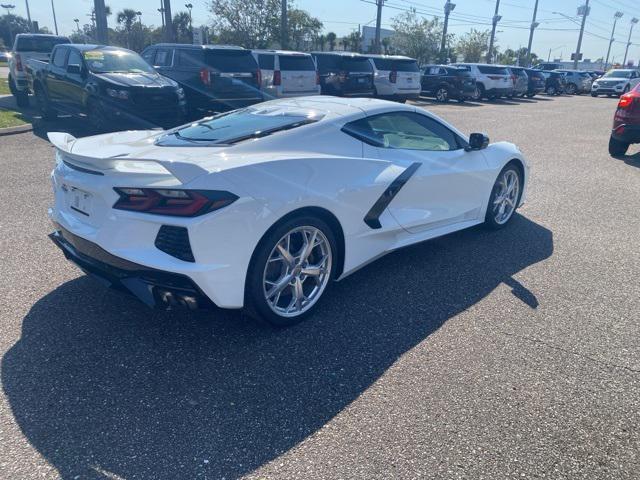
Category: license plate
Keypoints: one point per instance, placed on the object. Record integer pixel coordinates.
(361, 80)
(80, 201)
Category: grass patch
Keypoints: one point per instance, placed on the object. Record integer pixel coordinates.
(4, 86)
(9, 118)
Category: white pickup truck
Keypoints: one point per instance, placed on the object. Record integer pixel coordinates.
(28, 46)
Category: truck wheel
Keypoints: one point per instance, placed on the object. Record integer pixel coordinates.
(617, 148)
(96, 116)
(44, 106)
(22, 98)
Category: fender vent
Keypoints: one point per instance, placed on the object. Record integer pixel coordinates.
(175, 242)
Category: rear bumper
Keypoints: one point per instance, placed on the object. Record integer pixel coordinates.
(627, 133)
(155, 288)
(499, 91)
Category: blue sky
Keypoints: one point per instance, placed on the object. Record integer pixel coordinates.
(343, 16)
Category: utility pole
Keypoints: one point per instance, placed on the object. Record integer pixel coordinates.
(29, 17)
(189, 7)
(585, 13)
(448, 8)
(626, 52)
(378, 22)
(496, 19)
(8, 7)
(55, 22)
(101, 22)
(284, 27)
(616, 17)
(534, 25)
(161, 10)
(168, 22)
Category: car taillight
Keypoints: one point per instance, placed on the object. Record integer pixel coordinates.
(18, 62)
(627, 99)
(205, 76)
(172, 202)
(393, 76)
(277, 78)
(259, 77)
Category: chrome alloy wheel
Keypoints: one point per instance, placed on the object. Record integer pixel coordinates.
(442, 95)
(506, 197)
(297, 271)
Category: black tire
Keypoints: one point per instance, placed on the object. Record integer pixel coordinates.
(480, 92)
(490, 220)
(462, 100)
(594, 94)
(571, 89)
(551, 90)
(256, 305)
(96, 116)
(47, 112)
(22, 98)
(617, 148)
(442, 94)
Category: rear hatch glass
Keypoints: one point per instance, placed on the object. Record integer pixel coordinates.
(232, 61)
(491, 70)
(406, 66)
(297, 63)
(356, 64)
(39, 44)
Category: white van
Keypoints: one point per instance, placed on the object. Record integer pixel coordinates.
(395, 77)
(287, 74)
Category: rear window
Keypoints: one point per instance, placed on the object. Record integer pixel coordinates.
(383, 63)
(464, 67)
(328, 63)
(297, 62)
(190, 58)
(39, 44)
(491, 70)
(266, 62)
(459, 72)
(406, 66)
(356, 64)
(238, 125)
(232, 61)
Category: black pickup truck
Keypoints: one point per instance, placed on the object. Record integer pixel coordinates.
(113, 86)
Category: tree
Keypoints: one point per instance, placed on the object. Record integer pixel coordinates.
(331, 40)
(303, 29)
(321, 42)
(127, 18)
(354, 40)
(386, 45)
(250, 23)
(416, 37)
(473, 46)
(182, 28)
(10, 26)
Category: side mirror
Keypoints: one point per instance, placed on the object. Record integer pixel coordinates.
(477, 141)
(73, 69)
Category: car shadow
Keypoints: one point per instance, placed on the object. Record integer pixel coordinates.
(103, 387)
(632, 160)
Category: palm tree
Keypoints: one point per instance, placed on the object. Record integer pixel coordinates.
(127, 17)
(321, 42)
(331, 39)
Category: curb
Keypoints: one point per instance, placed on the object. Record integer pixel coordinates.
(27, 127)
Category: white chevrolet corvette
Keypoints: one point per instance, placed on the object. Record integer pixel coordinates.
(260, 208)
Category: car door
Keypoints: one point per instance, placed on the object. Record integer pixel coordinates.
(431, 79)
(72, 95)
(635, 79)
(446, 184)
(55, 75)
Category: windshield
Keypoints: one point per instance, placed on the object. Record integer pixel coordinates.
(242, 124)
(116, 61)
(39, 44)
(618, 74)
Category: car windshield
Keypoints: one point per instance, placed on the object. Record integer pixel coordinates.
(38, 44)
(618, 74)
(238, 125)
(115, 61)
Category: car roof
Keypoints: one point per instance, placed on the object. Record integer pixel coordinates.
(83, 47)
(39, 35)
(199, 47)
(340, 53)
(280, 52)
(333, 107)
(391, 57)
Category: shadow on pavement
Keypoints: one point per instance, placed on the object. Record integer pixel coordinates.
(102, 386)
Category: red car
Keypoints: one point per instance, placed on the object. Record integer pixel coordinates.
(626, 123)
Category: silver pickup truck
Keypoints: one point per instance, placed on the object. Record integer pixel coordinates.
(26, 47)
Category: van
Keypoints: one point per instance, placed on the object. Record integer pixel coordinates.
(287, 74)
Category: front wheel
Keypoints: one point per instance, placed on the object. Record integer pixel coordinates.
(505, 197)
(617, 148)
(290, 270)
(442, 95)
(594, 94)
(551, 90)
(47, 112)
(571, 89)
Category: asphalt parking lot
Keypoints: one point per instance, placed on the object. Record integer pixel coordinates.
(480, 355)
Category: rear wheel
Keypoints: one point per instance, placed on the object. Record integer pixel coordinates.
(290, 270)
(442, 94)
(571, 89)
(551, 90)
(617, 148)
(594, 94)
(47, 112)
(505, 197)
(22, 98)
(478, 93)
(96, 116)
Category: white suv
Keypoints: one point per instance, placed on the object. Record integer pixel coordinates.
(27, 46)
(615, 82)
(395, 77)
(492, 81)
(287, 74)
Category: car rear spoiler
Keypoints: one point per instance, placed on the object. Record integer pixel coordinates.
(185, 172)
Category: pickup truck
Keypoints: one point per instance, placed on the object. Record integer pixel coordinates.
(111, 86)
(28, 46)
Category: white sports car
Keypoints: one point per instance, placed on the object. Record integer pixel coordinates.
(260, 208)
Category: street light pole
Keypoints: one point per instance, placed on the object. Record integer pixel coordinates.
(626, 52)
(616, 16)
(189, 7)
(77, 25)
(496, 19)
(379, 4)
(534, 25)
(585, 13)
(55, 22)
(168, 22)
(448, 8)
(8, 7)
(284, 25)
(29, 17)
